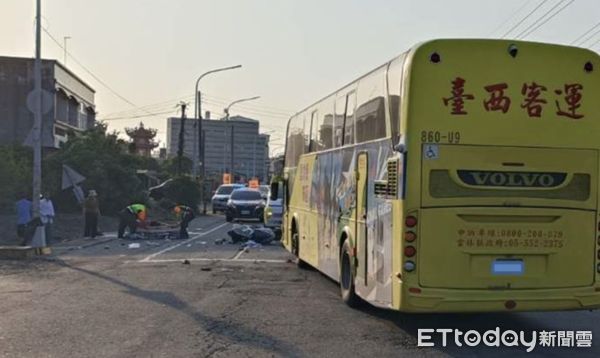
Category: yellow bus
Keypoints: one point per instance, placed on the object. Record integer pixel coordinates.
(460, 176)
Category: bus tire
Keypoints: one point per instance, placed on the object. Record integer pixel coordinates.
(296, 251)
(348, 293)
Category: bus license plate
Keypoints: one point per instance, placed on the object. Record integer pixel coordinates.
(508, 267)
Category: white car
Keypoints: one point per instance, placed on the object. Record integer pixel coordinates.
(274, 214)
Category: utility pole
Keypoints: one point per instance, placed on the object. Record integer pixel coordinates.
(65, 48)
(37, 127)
(254, 157)
(201, 151)
(231, 146)
(37, 120)
(180, 147)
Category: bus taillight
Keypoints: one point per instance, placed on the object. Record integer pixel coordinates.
(410, 236)
(411, 221)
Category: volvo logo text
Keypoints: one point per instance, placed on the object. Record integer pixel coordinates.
(512, 179)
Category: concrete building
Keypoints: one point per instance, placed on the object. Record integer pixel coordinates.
(250, 155)
(69, 105)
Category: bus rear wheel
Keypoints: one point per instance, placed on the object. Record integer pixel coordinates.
(296, 251)
(347, 277)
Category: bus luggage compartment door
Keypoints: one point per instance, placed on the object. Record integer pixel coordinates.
(507, 217)
(500, 248)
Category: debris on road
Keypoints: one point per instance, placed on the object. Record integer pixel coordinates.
(206, 269)
(134, 245)
(221, 241)
(250, 244)
(245, 233)
(157, 230)
(186, 262)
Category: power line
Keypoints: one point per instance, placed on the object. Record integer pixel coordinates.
(549, 18)
(524, 18)
(510, 17)
(540, 18)
(590, 37)
(281, 110)
(585, 33)
(595, 43)
(211, 100)
(249, 109)
(137, 114)
(225, 102)
(151, 106)
(134, 117)
(255, 112)
(89, 71)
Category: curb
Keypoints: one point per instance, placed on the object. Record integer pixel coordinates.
(85, 246)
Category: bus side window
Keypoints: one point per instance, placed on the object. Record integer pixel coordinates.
(370, 122)
(314, 135)
(394, 86)
(326, 131)
(349, 118)
(295, 141)
(338, 122)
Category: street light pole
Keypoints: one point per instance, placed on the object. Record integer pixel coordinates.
(226, 110)
(200, 145)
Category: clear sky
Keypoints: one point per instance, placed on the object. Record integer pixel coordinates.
(292, 52)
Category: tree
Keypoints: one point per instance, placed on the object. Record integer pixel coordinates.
(169, 166)
(15, 175)
(104, 160)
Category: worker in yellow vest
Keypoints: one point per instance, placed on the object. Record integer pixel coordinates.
(185, 215)
(129, 217)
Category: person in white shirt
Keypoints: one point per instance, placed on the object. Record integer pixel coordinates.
(47, 216)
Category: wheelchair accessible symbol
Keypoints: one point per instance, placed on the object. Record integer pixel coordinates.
(431, 151)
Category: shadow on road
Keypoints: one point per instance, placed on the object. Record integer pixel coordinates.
(231, 331)
(529, 323)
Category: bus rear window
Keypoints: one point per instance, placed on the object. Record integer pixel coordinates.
(442, 185)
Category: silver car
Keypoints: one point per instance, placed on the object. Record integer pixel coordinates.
(219, 200)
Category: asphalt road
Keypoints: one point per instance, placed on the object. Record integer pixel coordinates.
(104, 299)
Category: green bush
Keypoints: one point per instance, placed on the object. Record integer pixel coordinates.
(15, 175)
(183, 190)
(100, 156)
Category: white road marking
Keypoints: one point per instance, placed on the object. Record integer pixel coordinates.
(150, 257)
(237, 256)
(202, 259)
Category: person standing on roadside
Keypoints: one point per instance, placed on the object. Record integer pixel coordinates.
(91, 211)
(23, 216)
(47, 216)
